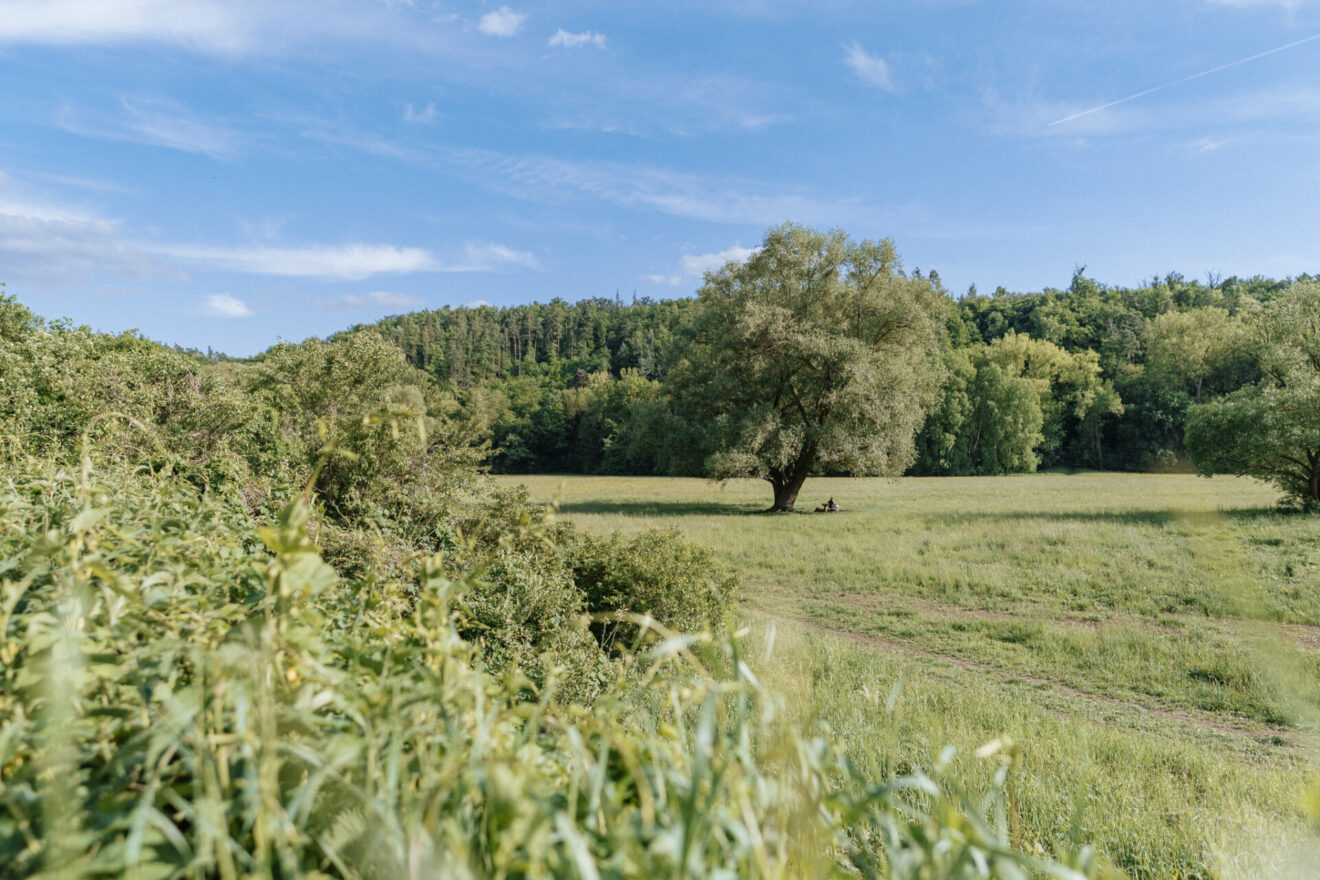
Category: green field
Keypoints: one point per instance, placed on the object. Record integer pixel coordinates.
(1151, 642)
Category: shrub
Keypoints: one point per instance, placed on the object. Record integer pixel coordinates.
(656, 573)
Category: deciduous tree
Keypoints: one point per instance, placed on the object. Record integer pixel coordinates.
(1187, 347)
(819, 350)
(1271, 429)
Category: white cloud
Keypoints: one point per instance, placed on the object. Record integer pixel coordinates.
(870, 68)
(566, 40)
(348, 262)
(344, 262)
(238, 27)
(476, 304)
(693, 266)
(503, 22)
(45, 244)
(696, 265)
(211, 25)
(222, 305)
(377, 299)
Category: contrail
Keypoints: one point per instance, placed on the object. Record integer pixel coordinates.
(1178, 82)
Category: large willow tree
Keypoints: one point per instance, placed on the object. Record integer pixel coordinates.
(818, 351)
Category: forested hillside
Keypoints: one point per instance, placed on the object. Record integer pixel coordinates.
(1091, 376)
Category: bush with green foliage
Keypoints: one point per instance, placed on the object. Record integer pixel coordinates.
(58, 381)
(185, 695)
(392, 474)
(656, 574)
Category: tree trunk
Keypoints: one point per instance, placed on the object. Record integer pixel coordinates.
(789, 482)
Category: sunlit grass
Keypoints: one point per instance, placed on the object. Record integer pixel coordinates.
(1152, 641)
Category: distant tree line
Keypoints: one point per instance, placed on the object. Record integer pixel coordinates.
(1091, 376)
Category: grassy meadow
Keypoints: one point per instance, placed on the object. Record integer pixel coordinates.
(1151, 642)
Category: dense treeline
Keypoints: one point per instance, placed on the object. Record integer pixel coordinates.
(267, 620)
(1091, 376)
(467, 346)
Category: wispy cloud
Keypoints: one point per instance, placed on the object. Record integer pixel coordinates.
(82, 183)
(344, 262)
(1186, 79)
(487, 257)
(476, 304)
(154, 122)
(222, 305)
(670, 280)
(366, 142)
(722, 198)
(702, 197)
(347, 262)
(167, 124)
(45, 244)
(565, 40)
(871, 69)
(503, 22)
(376, 299)
(419, 115)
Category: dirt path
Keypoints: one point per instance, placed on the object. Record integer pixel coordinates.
(1306, 743)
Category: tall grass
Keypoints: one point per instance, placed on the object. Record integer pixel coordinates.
(186, 696)
(1149, 641)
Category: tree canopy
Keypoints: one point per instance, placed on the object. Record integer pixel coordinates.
(818, 351)
(585, 387)
(1271, 429)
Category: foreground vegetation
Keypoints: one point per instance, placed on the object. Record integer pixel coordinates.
(1152, 642)
(266, 620)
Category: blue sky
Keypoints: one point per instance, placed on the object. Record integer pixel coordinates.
(228, 173)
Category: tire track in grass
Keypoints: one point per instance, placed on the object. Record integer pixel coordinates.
(1300, 742)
